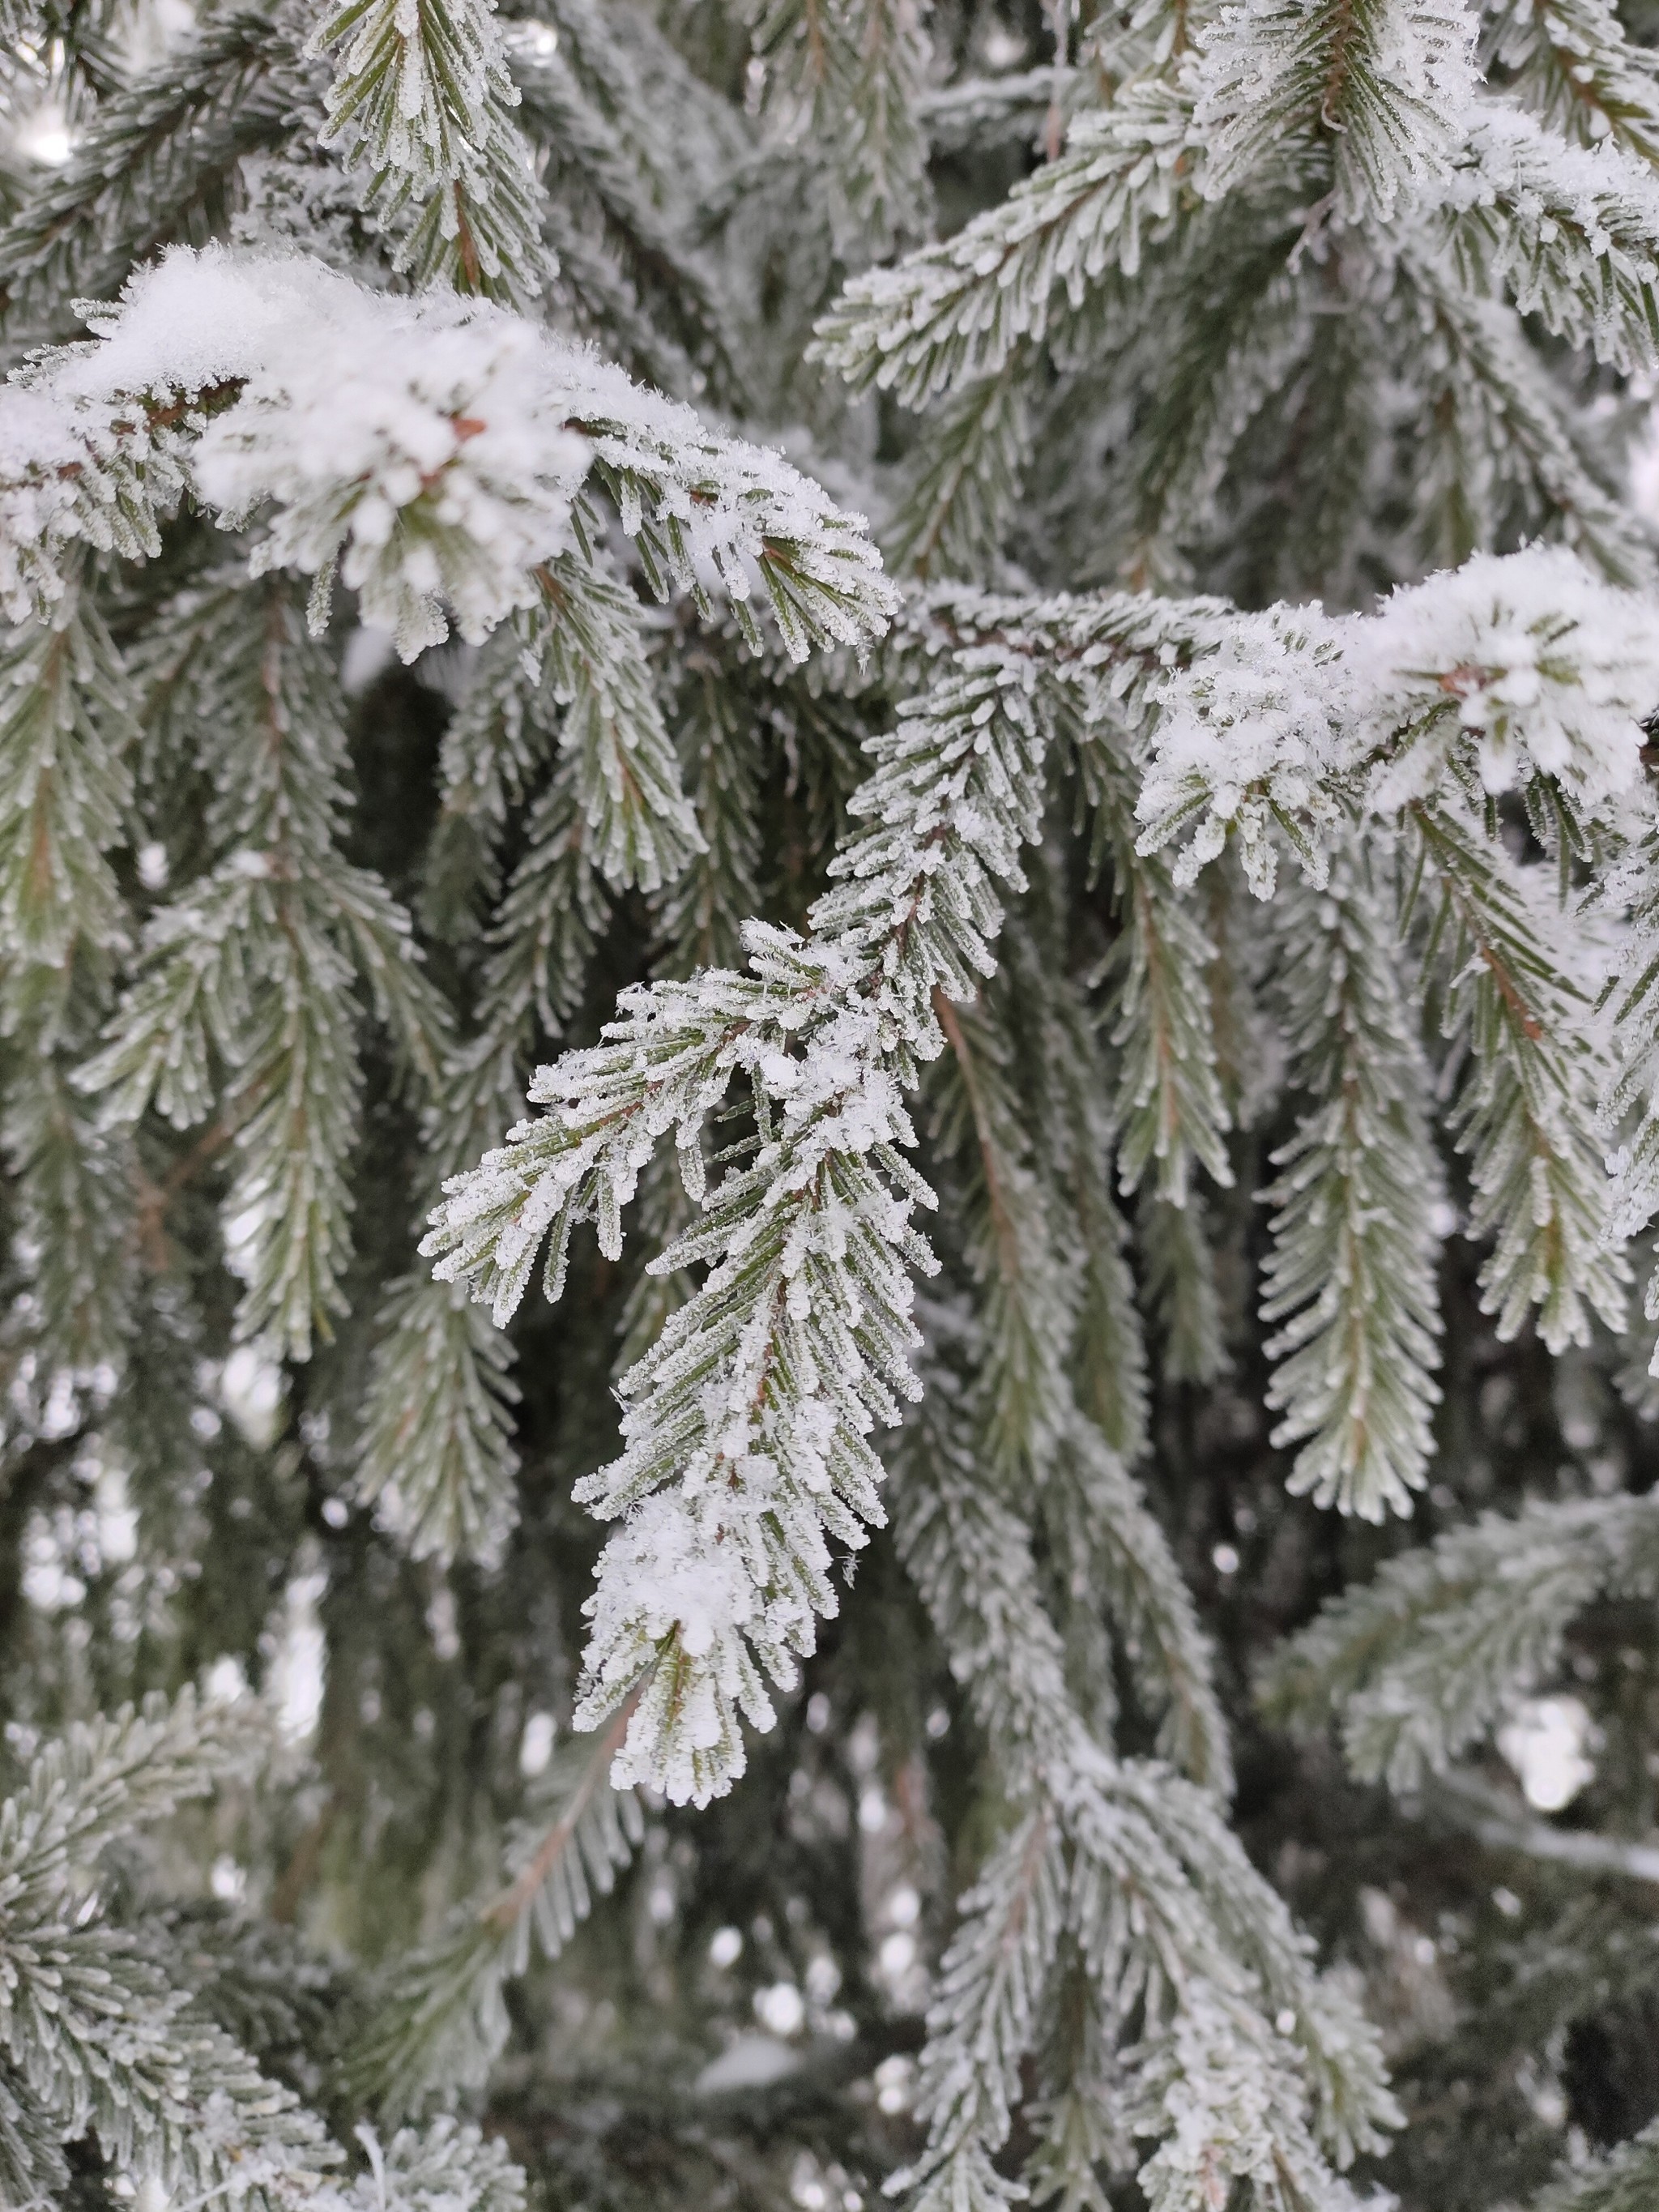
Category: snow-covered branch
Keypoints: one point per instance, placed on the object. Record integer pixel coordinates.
(433, 450)
(1508, 670)
(747, 1421)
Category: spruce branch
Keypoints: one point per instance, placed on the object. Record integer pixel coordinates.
(1102, 663)
(1247, 342)
(1570, 64)
(1381, 87)
(955, 313)
(1421, 1662)
(964, 478)
(1075, 1134)
(1527, 1115)
(630, 265)
(451, 481)
(98, 2038)
(1492, 1817)
(1573, 236)
(88, 1788)
(1396, 714)
(1351, 1281)
(436, 1460)
(993, 1981)
(1513, 671)
(67, 724)
(852, 72)
(539, 943)
(246, 982)
(1171, 1114)
(1113, 1560)
(1282, 300)
(1163, 1911)
(1180, 1287)
(156, 158)
(74, 1223)
(441, 2021)
(722, 764)
(423, 98)
(1500, 438)
(103, 2044)
(1624, 2182)
(746, 1421)
(1026, 1294)
(643, 830)
(432, 2169)
(1627, 1108)
(1117, 1542)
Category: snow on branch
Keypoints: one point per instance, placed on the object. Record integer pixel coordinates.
(433, 449)
(1569, 62)
(746, 1424)
(1573, 234)
(1506, 670)
(1517, 672)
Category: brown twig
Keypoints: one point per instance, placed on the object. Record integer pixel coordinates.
(504, 1909)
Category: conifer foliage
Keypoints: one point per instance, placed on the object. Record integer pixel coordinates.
(828, 890)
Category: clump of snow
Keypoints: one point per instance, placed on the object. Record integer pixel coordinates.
(1545, 1743)
(420, 442)
(435, 448)
(671, 1572)
(749, 2061)
(679, 1577)
(1551, 669)
(1513, 666)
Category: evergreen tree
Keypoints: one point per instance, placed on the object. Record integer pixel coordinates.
(1035, 633)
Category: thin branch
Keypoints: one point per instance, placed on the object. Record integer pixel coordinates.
(514, 1901)
(1489, 1817)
